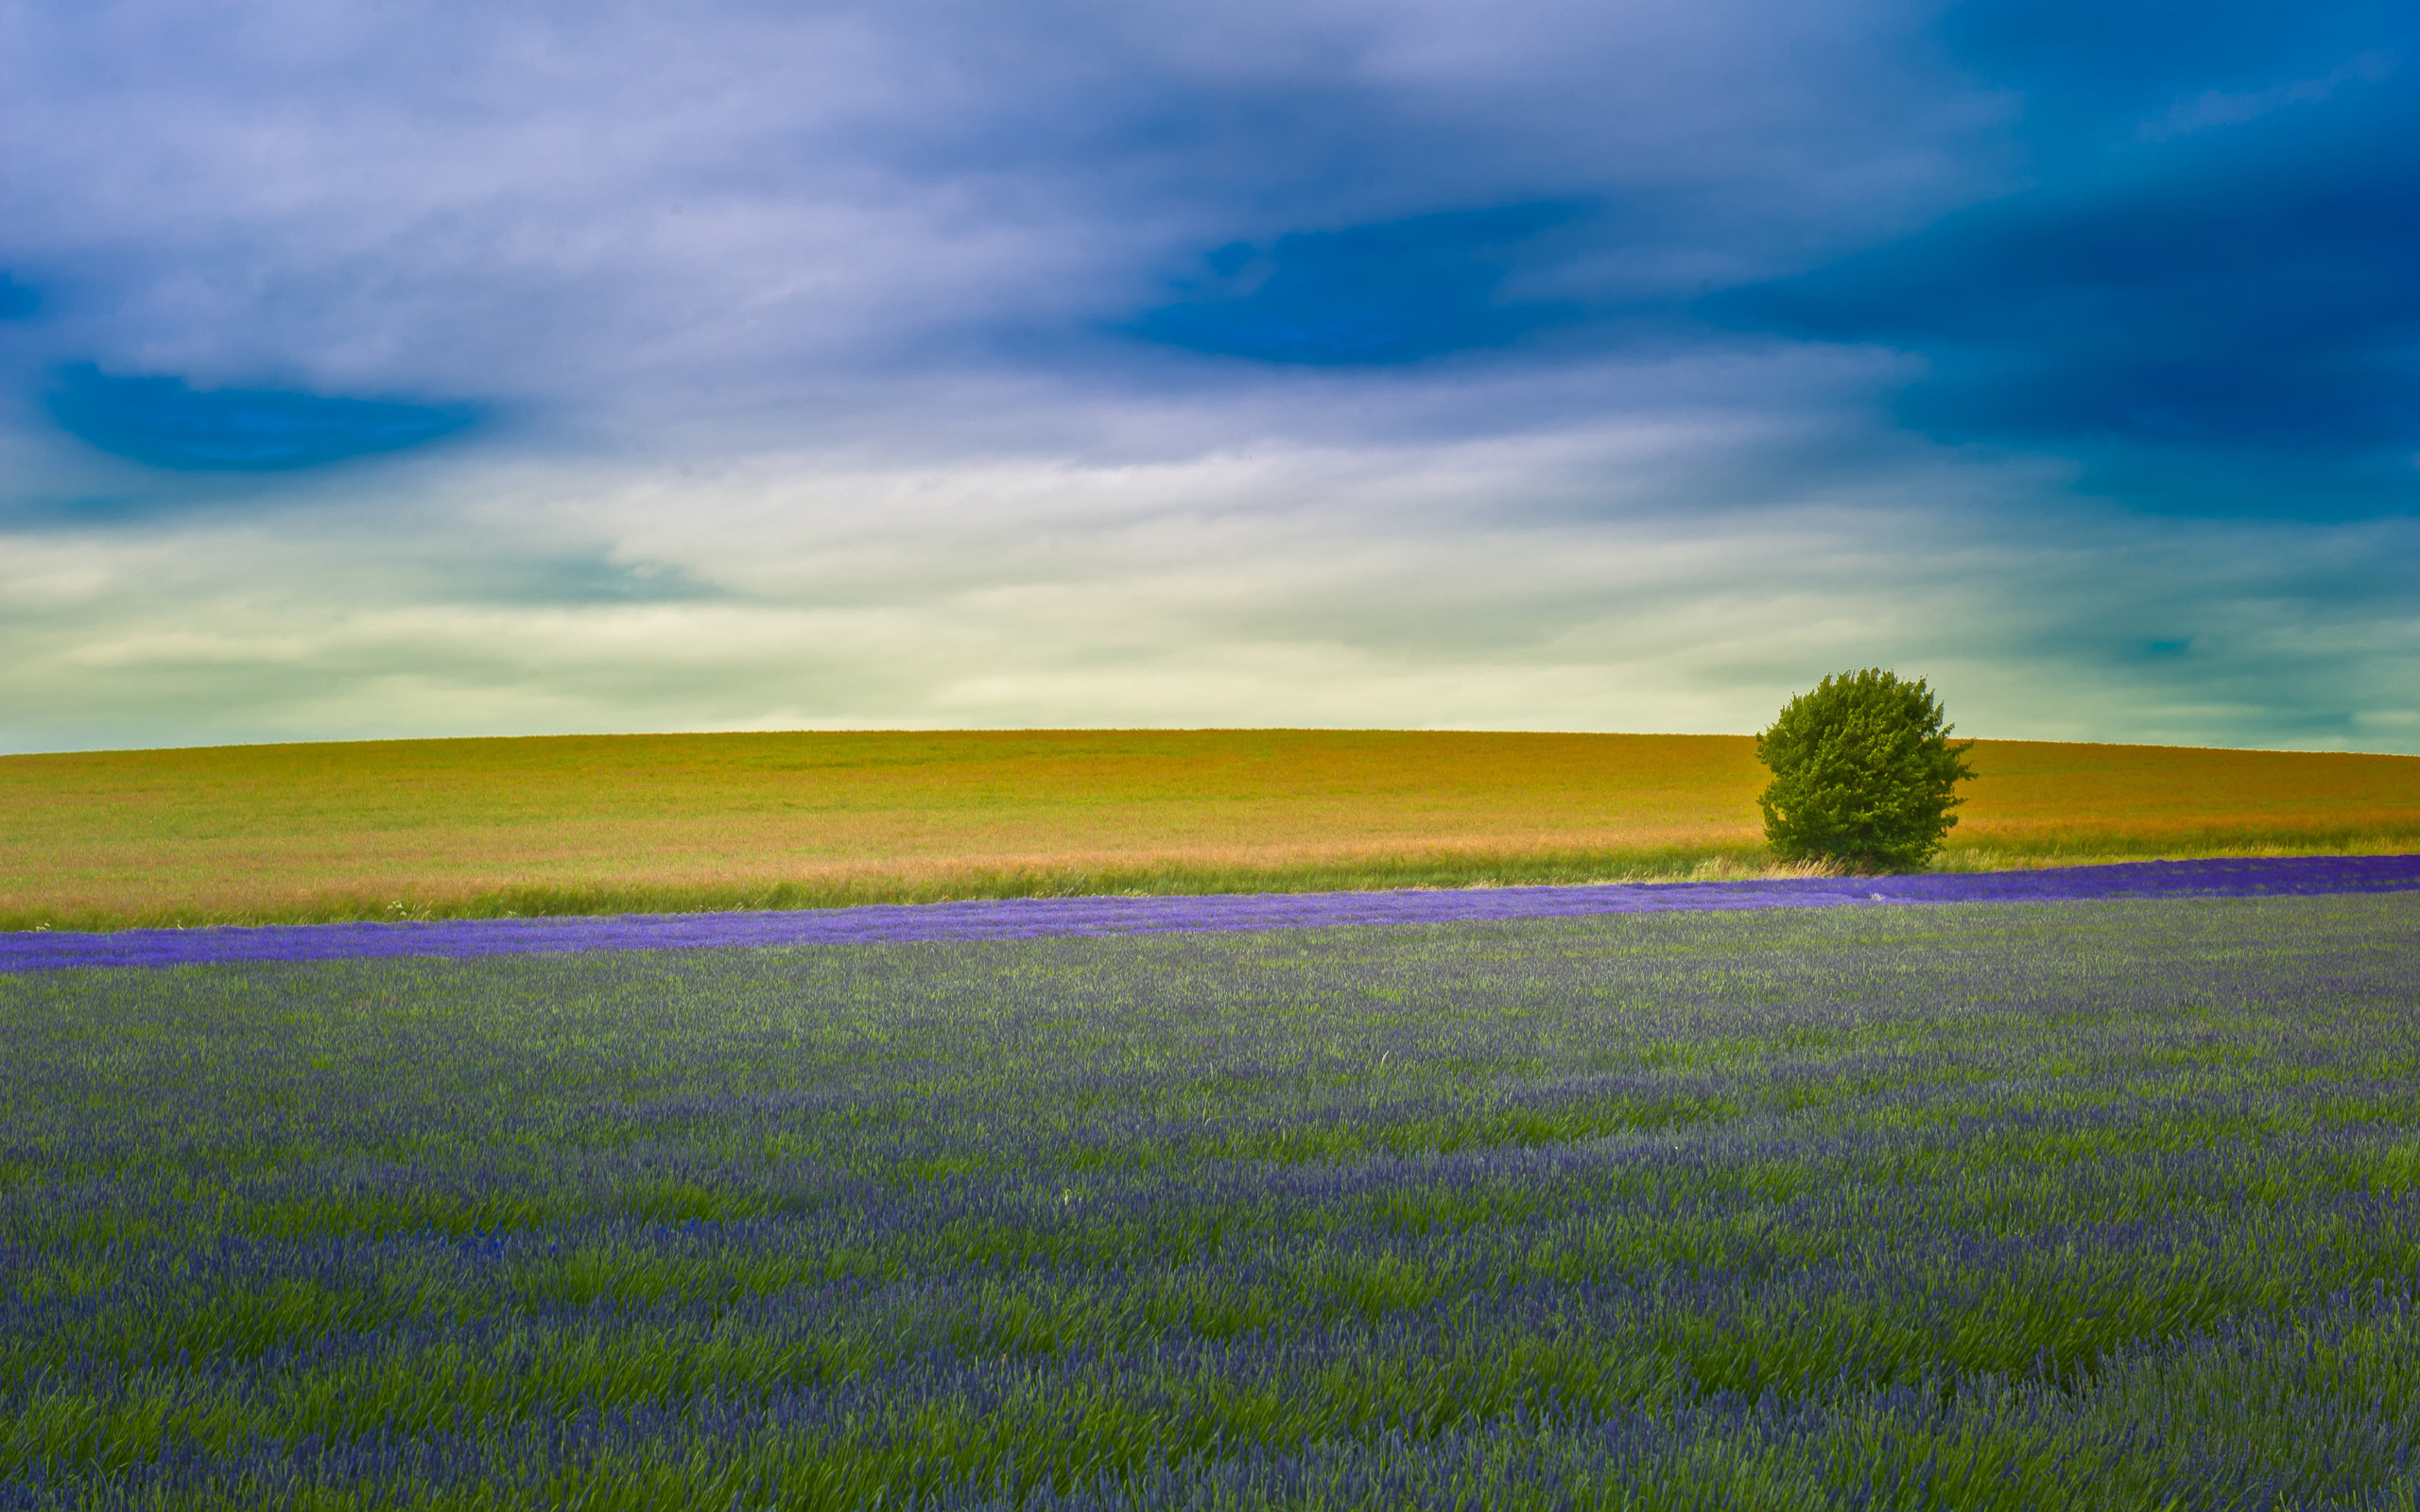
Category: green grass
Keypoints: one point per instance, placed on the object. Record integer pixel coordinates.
(2089, 1205)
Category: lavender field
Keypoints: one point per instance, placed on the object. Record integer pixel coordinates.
(2104, 1202)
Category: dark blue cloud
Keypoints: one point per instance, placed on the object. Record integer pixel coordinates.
(580, 580)
(2209, 298)
(31, 512)
(163, 422)
(2093, 73)
(1394, 292)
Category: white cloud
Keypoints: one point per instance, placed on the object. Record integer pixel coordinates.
(1487, 582)
(793, 317)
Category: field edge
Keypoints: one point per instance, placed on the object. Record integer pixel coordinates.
(969, 883)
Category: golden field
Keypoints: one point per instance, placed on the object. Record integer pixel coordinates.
(581, 824)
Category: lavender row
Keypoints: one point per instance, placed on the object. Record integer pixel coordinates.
(2114, 1203)
(1032, 918)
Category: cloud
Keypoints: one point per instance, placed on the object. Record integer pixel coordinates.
(1394, 292)
(1361, 583)
(163, 422)
(2090, 74)
(2212, 109)
(1589, 365)
(2209, 326)
(606, 217)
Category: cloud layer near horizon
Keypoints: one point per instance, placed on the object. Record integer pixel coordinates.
(465, 370)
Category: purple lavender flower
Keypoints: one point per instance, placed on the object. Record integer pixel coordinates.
(1030, 917)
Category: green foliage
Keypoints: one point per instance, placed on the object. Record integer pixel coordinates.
(1862, 774)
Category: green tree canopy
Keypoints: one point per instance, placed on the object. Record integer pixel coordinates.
(1862, 770)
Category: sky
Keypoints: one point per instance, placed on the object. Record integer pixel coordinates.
(372, 370)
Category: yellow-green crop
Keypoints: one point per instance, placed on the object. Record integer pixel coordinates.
(669, 822)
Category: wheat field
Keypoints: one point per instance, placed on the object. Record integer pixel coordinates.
(627, 823)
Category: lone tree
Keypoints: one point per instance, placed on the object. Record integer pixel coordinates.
(1862, 771)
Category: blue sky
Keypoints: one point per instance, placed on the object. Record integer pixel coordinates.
(382, 370)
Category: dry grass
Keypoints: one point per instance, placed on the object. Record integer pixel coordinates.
(648, 822)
